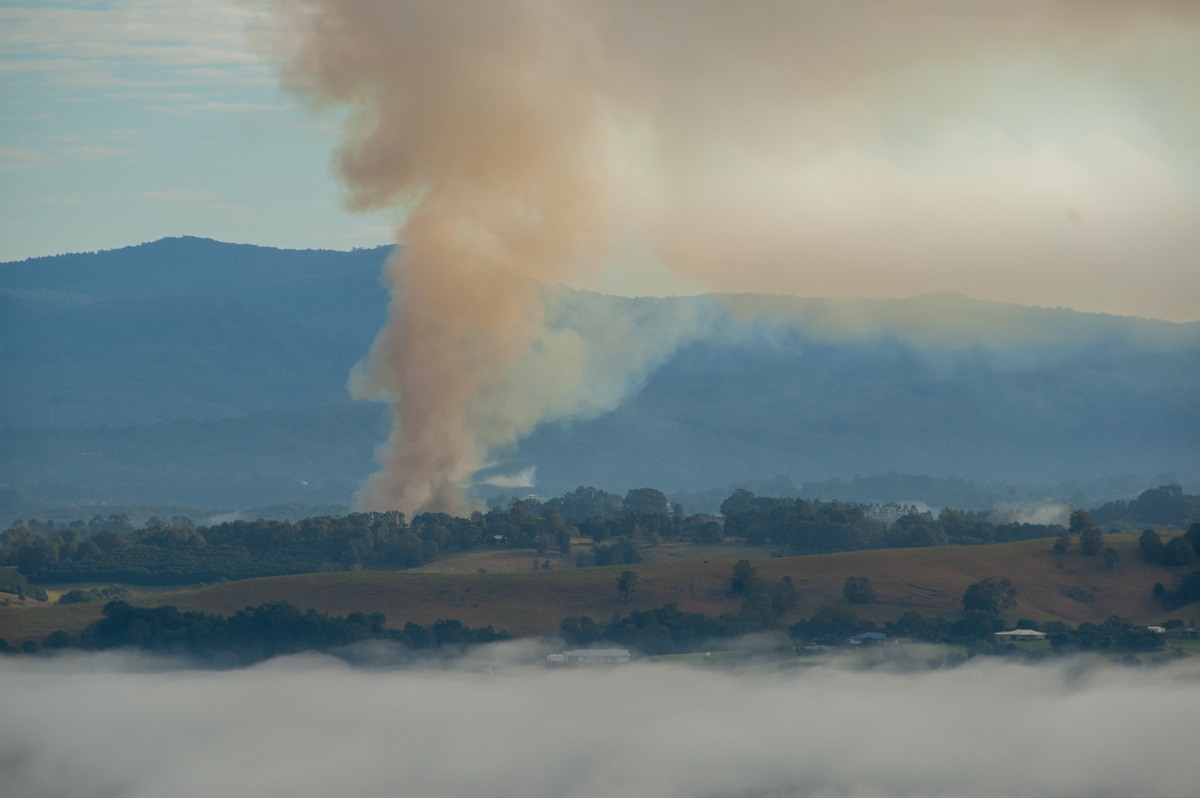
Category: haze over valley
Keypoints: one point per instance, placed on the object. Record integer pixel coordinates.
(193, 373)
(601, 398)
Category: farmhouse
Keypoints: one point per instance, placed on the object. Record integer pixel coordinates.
(866, 637)
(1014, 635)
(590, 656)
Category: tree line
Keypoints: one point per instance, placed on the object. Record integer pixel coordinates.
(278, 628)
(669, 630)
(1180, 550)
(1164, 506)
(250, 635)
(176, 551)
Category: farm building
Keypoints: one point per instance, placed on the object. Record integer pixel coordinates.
(590, 656)
(1014, 635)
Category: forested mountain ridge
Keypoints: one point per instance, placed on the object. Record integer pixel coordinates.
(181, 328)
(194, 372)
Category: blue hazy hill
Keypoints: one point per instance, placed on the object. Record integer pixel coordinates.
(181, 328)
(196, 372)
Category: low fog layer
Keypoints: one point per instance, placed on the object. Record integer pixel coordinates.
(311, 726)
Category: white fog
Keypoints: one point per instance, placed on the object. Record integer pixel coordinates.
(120, 725)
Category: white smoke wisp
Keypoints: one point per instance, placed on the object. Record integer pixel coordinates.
(525, 478)
(310, 726)
(1043, 512)
(1026, 153)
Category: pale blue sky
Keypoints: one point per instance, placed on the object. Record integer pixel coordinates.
(1043, 165)
(123, 121)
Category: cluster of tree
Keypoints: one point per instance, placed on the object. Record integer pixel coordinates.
(620, 551)
(178, 552)
(1115, 634)
(1164, 506)
(669, 630)
(666, 630)
(982, 602)
(252, 634)
(14, 582)
(803, 527)
(116, 522)
(1090, 539)
(800, 526)
(832, 625)
(991, 596)
(95, 594)
(1180, 550)
(1186, 590)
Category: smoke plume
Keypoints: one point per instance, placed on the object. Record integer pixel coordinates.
(1029, 151)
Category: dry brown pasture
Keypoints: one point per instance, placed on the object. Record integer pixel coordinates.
(510, 595)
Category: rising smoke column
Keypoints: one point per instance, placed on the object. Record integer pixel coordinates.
(498, 159)
(823, 148)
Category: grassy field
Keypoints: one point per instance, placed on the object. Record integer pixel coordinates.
(502, 589)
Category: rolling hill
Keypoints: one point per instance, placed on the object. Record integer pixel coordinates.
(197, 373)
(510, 596)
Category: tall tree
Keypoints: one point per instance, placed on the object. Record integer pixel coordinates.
(625, 584)
(990, 595)
(1152, 546)
(645, 500)
(1079, 521)
(1091, 541)
(743, 577)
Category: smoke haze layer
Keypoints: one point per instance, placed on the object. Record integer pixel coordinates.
(311, 726)
(1035, 152)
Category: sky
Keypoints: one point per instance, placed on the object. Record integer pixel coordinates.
(1039, 153)
(312, 726)
(124, 121)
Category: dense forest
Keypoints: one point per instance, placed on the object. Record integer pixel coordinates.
(250, 635)
(176, 551)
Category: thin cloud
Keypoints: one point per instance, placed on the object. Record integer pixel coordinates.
(101, 78)
(178, 195)
(97, 152)
(157, 96)
(14, 158)
(62, 199)
(47, 65)
(131, 43)
(239, 108)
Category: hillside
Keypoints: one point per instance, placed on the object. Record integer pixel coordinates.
(526, 602)
(196, 373)
(181, 328)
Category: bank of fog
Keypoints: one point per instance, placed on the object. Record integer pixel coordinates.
(115, 724)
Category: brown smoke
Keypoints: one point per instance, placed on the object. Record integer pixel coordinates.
(1024, 151)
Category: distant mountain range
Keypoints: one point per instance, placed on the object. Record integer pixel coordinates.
(194, 372)
(182, 328)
